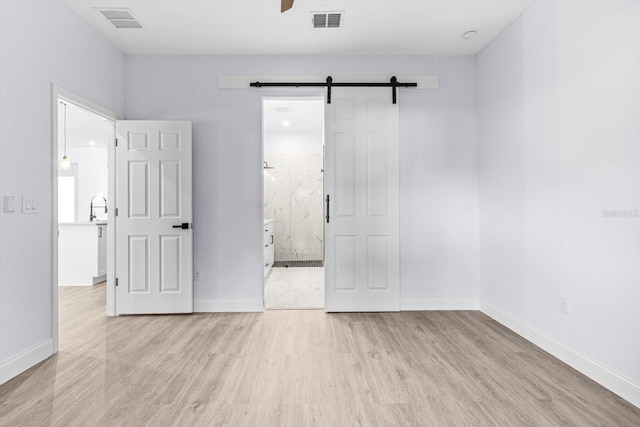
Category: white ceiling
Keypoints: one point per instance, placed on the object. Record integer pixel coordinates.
(256, 27)
(83, 127)
(302, 115)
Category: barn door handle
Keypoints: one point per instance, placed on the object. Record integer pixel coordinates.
(184, 226)
(327, 209)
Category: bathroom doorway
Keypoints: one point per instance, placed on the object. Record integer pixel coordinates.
(293, 166)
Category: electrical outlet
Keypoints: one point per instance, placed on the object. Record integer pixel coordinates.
(196, 275)
(564, 305)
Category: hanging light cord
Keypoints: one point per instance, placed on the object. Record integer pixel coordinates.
(65, 129)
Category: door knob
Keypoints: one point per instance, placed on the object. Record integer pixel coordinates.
(184, 226)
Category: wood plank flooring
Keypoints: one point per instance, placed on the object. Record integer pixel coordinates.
(299, 368)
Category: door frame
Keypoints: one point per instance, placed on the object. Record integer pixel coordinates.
(58, 93)
(320, 97)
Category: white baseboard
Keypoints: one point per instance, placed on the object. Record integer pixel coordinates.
(86, 285)
(433, 304)
(25, 360)
(616, 383)
(227, 306)
(238, 306)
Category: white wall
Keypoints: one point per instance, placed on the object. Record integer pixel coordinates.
(559, 138)
(439, 247)
(41, 42)
(297, 142)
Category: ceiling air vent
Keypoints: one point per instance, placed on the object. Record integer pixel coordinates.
(327, 19)
(333, 20)
(120, 18)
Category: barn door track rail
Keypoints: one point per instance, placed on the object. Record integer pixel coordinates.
(329, 83)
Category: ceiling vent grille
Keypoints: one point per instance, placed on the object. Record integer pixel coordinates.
(120, 18)
(333, 20)
(125, 23)
(327, 19)
(117, 14)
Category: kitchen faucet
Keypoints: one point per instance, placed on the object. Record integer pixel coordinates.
(92, 216)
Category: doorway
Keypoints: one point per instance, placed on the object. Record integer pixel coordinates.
(293, 167)
(83, 138)
(81, 182)
(164, 146)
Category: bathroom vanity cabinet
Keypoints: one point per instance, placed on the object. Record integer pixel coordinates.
(82, 253)
(269, 245)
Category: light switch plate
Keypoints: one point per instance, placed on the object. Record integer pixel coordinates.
(29, 206)
(9, 204)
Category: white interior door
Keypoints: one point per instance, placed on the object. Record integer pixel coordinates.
(154, 267)
(362, 270)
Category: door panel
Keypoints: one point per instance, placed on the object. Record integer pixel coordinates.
(362, 181)
(138, 264)
(378, 262)
(170, 264)
(170, 189)
(345, 168)
(138, 189)
(377, 175)
(153, 195)
(345, 262)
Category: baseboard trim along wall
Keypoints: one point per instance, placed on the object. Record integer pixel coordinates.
(25, 360)
(228, 306)
(619, 385)
(434, 304)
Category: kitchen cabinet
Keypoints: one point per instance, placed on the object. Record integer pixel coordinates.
(82, 253)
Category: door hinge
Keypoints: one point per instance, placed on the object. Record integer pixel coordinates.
(116, 211)
(116, 281)
(116, 142)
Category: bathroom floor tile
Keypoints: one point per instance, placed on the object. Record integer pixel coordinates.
(294, 288)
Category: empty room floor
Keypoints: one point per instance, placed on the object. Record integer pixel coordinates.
(299, 368)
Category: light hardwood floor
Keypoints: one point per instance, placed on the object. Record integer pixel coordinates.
(299, 368)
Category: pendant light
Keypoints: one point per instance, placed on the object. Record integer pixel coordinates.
(64, 164)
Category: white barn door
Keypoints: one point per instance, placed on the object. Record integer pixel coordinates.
(362, 270)
(154, 242)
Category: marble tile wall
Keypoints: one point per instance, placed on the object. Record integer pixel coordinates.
(293, 198)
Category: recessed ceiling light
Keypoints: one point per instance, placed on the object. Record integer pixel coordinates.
(470, 34)
(92, 143)
(286, 123)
